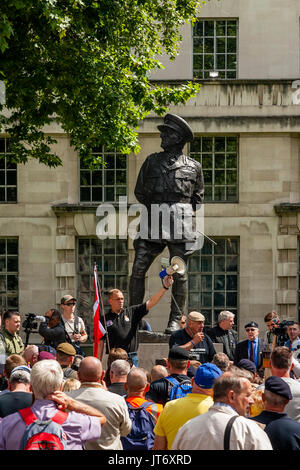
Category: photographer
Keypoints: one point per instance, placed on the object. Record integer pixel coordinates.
(280, 333)
(52, 329)
(272, 322)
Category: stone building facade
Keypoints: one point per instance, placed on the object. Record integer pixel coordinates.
(246, 122)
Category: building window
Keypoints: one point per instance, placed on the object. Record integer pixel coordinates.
(106, 183)
(219, 159)
(214, 278)
(8, 174)
(111, 257)
(215, 48)
(9, 284)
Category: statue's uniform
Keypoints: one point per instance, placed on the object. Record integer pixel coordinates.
(177, 183)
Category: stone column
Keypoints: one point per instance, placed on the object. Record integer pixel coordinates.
(65, 269)
(287, 267)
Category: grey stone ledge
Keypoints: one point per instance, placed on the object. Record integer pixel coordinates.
(287, 207)
(153, 337)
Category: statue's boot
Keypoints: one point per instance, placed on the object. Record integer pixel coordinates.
(178, 302)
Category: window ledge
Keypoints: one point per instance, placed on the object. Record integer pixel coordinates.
(287, 207)
(90, 207)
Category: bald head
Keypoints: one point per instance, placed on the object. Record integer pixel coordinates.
(90, 370)
(136, 380)
(158, 372)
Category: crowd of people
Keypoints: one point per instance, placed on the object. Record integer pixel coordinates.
(244, 398)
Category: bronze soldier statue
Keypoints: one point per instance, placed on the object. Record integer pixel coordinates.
(172, 179)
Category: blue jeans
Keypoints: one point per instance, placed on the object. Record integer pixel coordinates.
(134, 357)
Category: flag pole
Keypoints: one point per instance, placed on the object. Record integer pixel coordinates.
(102, 307)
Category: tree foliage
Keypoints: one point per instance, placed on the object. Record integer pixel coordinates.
(86, 63)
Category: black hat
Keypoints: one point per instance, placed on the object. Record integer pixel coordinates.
(251, 323)
(176, 352)
(278, 386)
(248, 365)
(179, 125)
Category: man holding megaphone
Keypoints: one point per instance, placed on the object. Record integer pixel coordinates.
(121, 323)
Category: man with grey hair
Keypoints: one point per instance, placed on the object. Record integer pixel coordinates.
(83, 423)
(20, 395)
(31, 354)
(224, 334)
(113, 406)
(118, 375)
(193, 339)
(232, 399)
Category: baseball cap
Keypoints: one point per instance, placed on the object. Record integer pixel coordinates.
(176, 352)
(206, 374)
(67, 298)
(278, 386)
(66, 348)
(196, 316)
(25, 368)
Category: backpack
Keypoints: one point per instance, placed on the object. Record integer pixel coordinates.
(48, 348)
(179, 389)
(141, 436)
(43, 435)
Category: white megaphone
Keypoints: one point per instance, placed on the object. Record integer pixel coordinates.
(177, 266)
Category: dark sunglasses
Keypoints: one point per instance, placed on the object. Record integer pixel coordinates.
(70, 303)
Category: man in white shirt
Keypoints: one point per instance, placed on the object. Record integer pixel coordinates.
(232, 398)
(74, 325)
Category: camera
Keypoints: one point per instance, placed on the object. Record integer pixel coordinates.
(30, 324)
(31, 321)
(281, 332)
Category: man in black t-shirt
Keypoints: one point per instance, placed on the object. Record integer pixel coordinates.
(19, 395)
(122, 323)
(193, 339)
